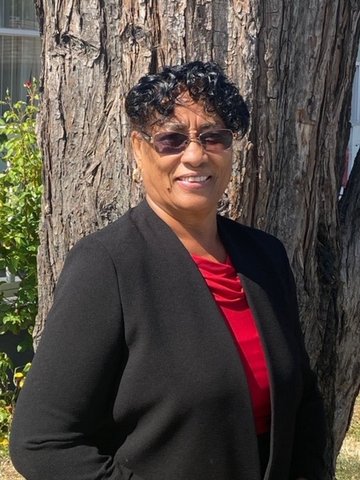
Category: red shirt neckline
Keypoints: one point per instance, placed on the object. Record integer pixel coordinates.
(225, 286)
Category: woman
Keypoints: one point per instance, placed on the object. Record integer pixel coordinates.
(185, 361)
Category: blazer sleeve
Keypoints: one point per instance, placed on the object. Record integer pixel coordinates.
(310, 430)
(68, 394)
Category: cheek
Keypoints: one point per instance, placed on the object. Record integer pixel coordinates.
(156, 176)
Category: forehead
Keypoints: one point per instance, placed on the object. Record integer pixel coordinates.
(189, 113)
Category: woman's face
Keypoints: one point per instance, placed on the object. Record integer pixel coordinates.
(188, 183)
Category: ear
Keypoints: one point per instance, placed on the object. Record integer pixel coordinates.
(137, 146)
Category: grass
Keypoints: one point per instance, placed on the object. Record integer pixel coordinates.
(7, 471)
(348, 465)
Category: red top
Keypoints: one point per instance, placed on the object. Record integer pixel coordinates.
(224, 284)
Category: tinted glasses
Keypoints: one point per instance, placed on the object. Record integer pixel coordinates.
(172, 143)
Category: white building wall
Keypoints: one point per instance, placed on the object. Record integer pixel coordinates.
(354, 142)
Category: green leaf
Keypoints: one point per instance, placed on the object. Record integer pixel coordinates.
(20, 199)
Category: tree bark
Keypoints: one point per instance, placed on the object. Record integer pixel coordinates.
(294, 63)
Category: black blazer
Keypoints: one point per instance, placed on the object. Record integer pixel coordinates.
(137, 375)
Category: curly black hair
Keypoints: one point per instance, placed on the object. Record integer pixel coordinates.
(155, 95)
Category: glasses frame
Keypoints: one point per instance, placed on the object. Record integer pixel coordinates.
(151, 139)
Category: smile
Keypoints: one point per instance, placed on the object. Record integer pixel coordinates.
(194, 179)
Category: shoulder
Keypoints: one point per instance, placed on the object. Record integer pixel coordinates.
(118, 235)
(251, 236)
(254, 250)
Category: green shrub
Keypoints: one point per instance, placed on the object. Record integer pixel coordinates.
(6, 400)
(20, 200)
(8, 395)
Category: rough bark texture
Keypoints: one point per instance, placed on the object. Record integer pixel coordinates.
(294, 64)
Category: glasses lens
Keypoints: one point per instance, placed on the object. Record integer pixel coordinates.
(216, 140)
(168, 143)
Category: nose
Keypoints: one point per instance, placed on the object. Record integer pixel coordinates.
(194, 153)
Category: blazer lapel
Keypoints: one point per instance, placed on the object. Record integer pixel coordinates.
(266, 296)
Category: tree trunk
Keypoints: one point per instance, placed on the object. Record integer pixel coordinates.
(294, 63)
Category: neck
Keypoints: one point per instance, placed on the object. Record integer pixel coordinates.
(198, 233)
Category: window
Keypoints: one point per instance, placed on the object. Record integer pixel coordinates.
(18, 14)
(20, 58)
(355, 102)
(19, 47)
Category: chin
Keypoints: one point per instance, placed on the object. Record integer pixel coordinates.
(196, 207)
